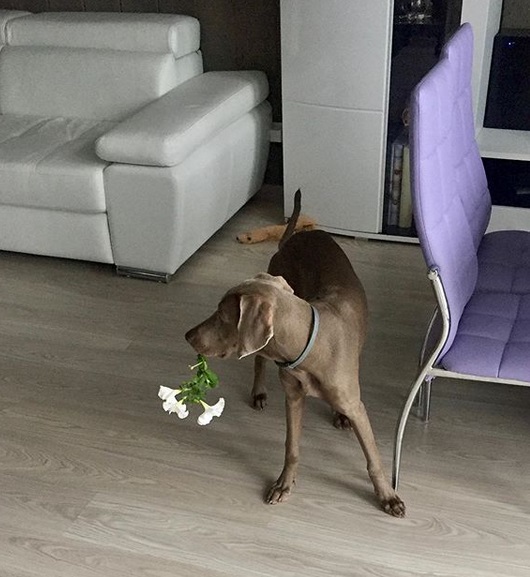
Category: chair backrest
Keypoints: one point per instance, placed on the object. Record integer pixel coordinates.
(93, 65)
(451, 200)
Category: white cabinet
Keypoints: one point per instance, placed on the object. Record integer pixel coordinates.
(335, 90)
(335, 74)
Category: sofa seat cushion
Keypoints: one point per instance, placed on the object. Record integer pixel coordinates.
(495, 325)
(51, 163)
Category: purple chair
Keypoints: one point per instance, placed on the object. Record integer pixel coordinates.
(481, 326)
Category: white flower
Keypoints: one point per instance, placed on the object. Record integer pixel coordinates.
(211, 412)
(174, 406)
(171, 404)
(165, 392)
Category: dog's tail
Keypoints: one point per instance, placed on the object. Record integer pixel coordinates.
(289, 230)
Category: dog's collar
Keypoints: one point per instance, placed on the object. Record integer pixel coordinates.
(315, 321)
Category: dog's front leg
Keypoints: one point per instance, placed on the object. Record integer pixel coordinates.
(388, 499)
(294, 404)
(259, 390)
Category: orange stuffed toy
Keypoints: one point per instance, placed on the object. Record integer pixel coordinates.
(274, 231)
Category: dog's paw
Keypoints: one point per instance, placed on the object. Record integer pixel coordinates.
(259, 401)
(279, 492)
(393, 506)
(342, 422)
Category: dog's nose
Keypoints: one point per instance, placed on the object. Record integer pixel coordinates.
(193, 336)
(190, 336)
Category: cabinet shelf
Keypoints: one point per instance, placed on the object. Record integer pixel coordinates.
(504, 144)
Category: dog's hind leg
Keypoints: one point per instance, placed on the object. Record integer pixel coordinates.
(259, 390)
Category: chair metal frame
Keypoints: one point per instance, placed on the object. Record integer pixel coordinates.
(429, 371)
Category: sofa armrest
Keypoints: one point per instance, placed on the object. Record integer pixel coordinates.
(166, 131)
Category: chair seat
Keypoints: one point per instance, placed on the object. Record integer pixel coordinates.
(51, 163)
(504, 262)
(493, 338)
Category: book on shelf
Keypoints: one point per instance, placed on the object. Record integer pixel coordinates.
(405, 201)
(399, 201)
(394, 181)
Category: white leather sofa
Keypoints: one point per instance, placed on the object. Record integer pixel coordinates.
(115, 147)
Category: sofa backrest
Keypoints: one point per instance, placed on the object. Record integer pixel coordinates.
(93, 65)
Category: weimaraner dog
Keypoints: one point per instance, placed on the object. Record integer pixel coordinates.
(309, 314)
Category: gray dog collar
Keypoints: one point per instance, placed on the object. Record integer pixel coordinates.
(314, 331)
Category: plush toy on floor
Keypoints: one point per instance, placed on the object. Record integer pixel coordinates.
(275, 231)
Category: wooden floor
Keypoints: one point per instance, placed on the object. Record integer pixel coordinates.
(96, 480)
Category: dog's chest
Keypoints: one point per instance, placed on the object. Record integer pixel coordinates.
(310, 385)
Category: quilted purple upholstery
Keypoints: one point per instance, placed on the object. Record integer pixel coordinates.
(486, 279)
(493, 338)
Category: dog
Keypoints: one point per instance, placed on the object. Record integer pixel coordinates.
(308, 313)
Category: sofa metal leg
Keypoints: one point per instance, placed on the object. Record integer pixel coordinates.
(143, 274)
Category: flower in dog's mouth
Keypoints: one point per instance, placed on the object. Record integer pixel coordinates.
(171, 404)
(193, 391)
(211, 412)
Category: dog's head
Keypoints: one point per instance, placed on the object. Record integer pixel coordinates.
(244, 320)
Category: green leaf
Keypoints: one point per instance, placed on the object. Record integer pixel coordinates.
(212, 377)
(194, 390)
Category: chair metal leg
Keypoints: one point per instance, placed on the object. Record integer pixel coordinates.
(425, 375)
(400, 430)
(424, 400)
(433, 326)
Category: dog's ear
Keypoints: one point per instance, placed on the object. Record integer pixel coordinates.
(254, 328)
